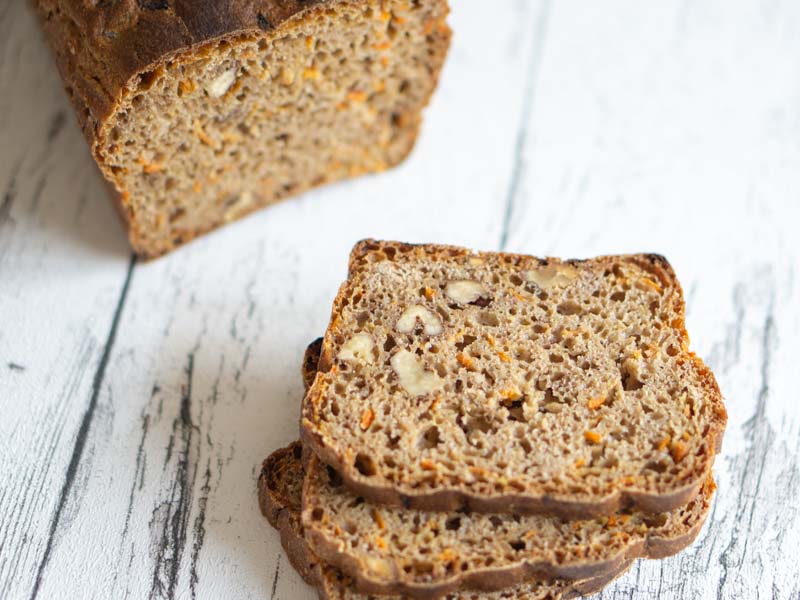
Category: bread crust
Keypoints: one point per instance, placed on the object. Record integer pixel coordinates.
(453, 499)
(102, 48)
(106, 51)
(277, 507)
(284, 517)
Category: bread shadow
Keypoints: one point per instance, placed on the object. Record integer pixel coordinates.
(53, 195)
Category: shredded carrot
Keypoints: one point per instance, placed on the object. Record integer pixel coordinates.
(464, 360)
(378, 518)
(356, 96)
(595, 403)
(678, 450)
(367, 417)
(592, 437)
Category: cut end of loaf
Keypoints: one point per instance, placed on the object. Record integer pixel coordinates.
(218, 131)
(502, 382)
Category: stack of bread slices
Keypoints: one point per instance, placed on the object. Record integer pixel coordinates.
(487, 426)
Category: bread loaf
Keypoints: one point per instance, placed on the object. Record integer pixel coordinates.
(504, 383)
(280, 500)
(198, 112)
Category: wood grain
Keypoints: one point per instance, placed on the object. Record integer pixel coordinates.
(139, 399)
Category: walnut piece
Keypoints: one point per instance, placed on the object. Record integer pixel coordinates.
(379, 566)
(221, 84)
(413, 376)
(552, 275)
(432, 325)
(358, 348)
(464, 291)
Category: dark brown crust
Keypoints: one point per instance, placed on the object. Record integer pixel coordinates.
(105, 51)
(102, 48)
(285, 518)
(310, 362)
(453, 499)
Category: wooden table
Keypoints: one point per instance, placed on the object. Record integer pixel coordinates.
(138, 399)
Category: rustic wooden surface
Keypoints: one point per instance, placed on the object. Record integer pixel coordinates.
(137, 400)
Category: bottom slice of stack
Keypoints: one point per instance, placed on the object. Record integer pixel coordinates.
(306, 502)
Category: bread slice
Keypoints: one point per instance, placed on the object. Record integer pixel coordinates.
(452, 379)
(424, 554)
(388, 550)
(199, 112)
(279, 497)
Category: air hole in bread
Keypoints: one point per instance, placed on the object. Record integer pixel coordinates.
(569, 307)
(656, 466)
(429, 439)
(465, 341)
(365, 465)
(334, 479)
(488, 319)
(515, 409)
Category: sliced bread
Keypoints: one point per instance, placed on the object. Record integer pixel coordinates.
(423, 554)
(451, 379)
(279, 496)
(199, 112)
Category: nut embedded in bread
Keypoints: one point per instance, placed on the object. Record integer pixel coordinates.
(279, 496)
(508, 383)
(199, 112)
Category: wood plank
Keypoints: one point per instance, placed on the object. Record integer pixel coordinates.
(63, 265)
(671, 127)
(203, 381)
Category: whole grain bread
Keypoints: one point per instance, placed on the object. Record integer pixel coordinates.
(198, 112)
(389, 550)
(424, 554)
(451, 379)
(279, 497)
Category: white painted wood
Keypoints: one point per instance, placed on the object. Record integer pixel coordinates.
(567, 128)
(678, 136)
(63, 264)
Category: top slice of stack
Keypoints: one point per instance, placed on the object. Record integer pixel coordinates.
(503, 383)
